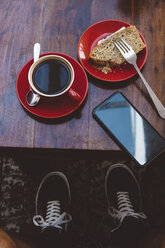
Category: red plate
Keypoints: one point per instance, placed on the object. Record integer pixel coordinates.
(61, 105)
(89, 40)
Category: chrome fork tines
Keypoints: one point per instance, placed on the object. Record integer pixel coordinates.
(120, 43)
(130, 56)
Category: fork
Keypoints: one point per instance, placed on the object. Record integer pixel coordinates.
(131, 57)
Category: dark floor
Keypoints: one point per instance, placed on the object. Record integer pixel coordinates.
(20, 178)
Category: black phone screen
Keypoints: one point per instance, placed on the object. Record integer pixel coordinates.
(129, 128)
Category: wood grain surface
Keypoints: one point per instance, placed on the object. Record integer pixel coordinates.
(58, 26)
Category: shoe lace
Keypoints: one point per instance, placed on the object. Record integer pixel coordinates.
(53, 218)
(125, 208)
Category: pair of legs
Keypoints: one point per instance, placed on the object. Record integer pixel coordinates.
(123, 195)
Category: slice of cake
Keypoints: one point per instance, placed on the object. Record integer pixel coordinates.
(106, 54)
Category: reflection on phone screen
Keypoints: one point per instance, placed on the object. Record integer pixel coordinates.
(134, 133)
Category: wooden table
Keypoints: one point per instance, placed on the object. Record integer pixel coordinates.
(58, 26)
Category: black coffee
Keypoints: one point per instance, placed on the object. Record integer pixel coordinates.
(51, 77)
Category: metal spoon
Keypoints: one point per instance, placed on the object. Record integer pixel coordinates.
(32, 98)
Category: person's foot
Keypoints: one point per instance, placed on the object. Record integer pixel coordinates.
(52, 205)
(123, 196)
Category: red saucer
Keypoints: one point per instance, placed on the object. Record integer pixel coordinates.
(61, 105)
(89, 40)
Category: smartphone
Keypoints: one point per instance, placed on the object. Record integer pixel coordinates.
(129, 128)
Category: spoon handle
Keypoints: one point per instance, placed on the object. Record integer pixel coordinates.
(36, 51)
